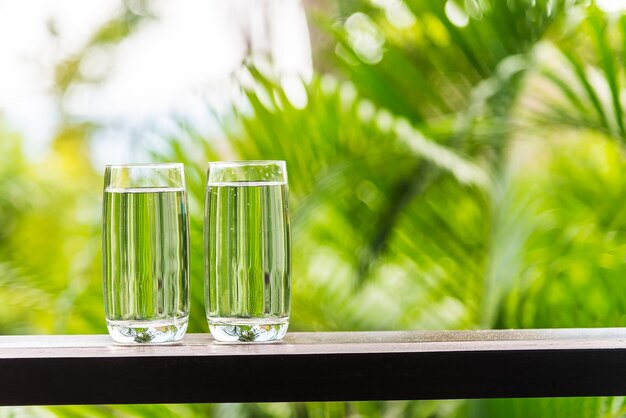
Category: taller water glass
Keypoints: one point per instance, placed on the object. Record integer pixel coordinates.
(247, 251)
(146, 252)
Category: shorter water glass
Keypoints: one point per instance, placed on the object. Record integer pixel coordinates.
(145, 252)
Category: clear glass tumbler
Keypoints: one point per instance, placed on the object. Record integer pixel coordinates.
(145, 243)
(247, 251)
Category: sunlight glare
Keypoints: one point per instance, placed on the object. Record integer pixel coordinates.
(612, 6)
(456, 15)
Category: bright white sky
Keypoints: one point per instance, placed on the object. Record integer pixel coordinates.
(28, 53)
(165, 68)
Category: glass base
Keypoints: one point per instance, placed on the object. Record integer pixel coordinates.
(248, 330)
(160, 331)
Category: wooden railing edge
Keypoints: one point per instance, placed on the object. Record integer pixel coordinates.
(345, 366)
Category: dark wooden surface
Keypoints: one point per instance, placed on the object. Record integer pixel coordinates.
(90, 369)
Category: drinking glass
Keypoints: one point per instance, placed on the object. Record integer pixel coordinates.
(145, 252)
(247, 251)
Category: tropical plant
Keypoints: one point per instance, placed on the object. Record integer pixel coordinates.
(427, 191)
(459, 165)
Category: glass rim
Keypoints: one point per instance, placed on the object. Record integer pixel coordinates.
(146, 165)
(239, 163)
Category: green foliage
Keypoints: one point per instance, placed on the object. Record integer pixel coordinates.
(586, 69)
(468, 175)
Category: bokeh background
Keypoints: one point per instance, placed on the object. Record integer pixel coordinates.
(453, 164)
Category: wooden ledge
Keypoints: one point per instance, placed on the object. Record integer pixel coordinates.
(90, 369)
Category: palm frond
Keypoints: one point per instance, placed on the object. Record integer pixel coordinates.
(590, 91)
